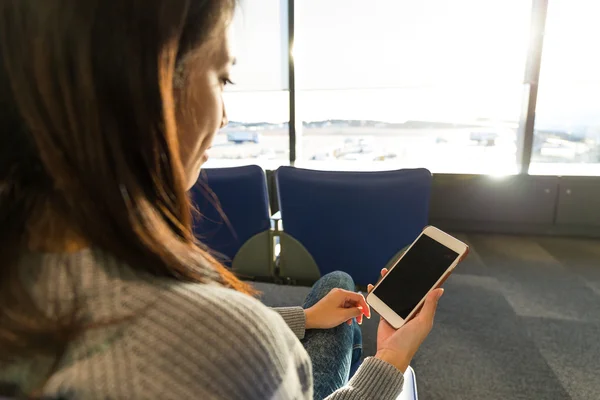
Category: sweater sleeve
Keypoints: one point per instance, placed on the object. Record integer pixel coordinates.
(374, 379)
(295, 318)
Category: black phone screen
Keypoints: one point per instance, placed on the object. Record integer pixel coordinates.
(415, 274)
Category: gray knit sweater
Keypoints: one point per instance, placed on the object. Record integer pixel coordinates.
(173, 340)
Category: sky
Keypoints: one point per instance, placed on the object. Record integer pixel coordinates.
(437, 59)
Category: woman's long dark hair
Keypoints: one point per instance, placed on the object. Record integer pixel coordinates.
(88, 136)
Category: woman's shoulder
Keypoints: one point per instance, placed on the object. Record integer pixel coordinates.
(219, 305)
(211, 334)
(209, 307)
(157, 337)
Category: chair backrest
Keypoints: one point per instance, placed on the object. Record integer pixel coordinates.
(241, 212)
(353, 221)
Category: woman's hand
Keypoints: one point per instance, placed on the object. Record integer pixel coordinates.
(337, 307)
(398, 347)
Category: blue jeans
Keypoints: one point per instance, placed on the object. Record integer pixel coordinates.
(335, 353)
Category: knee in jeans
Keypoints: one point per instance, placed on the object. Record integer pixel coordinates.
(340, 279)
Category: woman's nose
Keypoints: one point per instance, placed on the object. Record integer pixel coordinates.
(225, 120)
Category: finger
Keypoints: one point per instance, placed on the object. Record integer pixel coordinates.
(370, 287)
(384, 272)
(427, 313)
(359, 300)
(349, 322)
(353, 312)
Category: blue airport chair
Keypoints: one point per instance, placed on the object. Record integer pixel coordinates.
(235, 220)
(350, 221)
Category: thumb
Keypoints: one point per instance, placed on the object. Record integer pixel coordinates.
(352, 312)
(431, 302)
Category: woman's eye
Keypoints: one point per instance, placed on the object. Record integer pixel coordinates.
(227, 81)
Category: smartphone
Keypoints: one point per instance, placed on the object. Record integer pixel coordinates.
(422, 268)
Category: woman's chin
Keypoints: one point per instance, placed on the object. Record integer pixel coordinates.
(194, 174)
(205, 155)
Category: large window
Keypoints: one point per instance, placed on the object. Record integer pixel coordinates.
(258, 104)
(567, 129)
(404, 83)
(384, 84)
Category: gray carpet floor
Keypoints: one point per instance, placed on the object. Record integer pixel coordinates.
(520, 319)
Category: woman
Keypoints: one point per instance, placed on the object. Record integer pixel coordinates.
(107, 109)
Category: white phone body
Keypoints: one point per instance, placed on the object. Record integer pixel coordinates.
(460, 248)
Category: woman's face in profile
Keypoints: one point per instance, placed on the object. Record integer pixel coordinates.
(199, 83)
